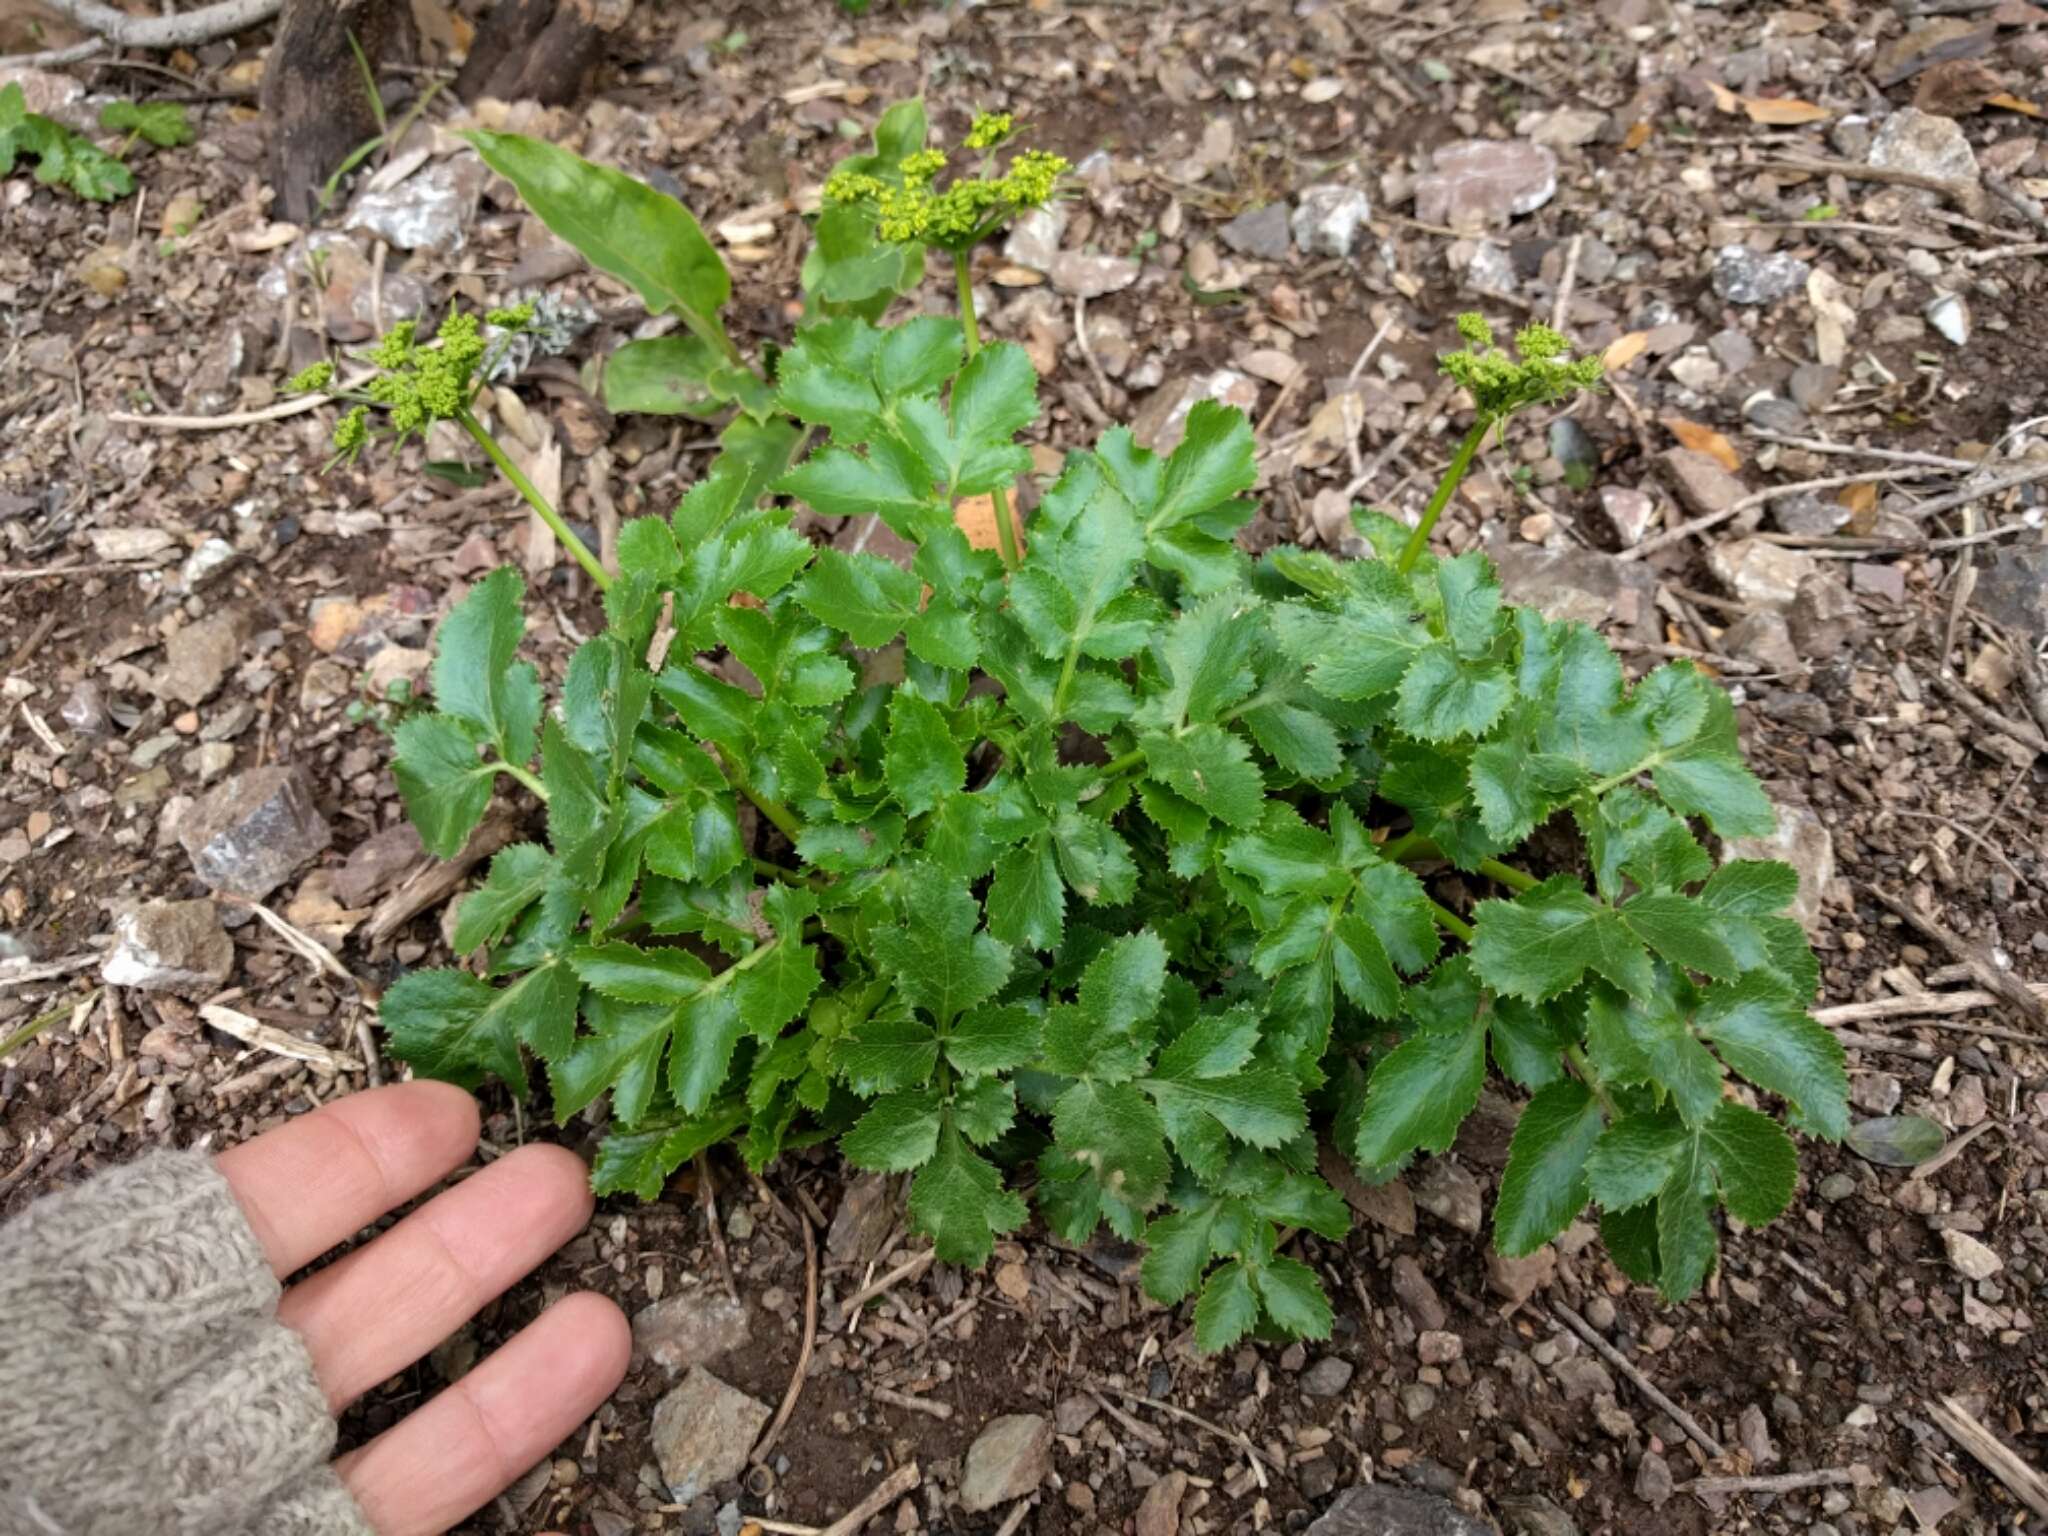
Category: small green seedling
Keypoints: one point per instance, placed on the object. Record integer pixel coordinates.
(1136, 872)
(63, 158)
(162, 123)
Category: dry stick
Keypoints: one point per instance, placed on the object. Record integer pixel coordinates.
(1968, 494)
(889, 1489)
(297, 406)
(1890, 1045)
(925, 1405)
(2008, 192)
(1567, 283)
(1144, 1433)
(916, 1264)
(1913, 1006)
(2027, 1485)
(1968, 194)
(176, 31)
(1890, 455)
(1237, 1437)
(1953, 1150)
(1992, 977)
(1643, 1384)
(1015, 1517)
(1968, 702)
(1780, 1482)
(708, 1197)
(1708, 520)
(437, 881)
(803, 1355)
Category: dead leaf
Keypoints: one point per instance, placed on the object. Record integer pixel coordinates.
(1637, 136)
(975, 516)
(1783, 111)
(1624, 350)
(1724, 98)
(2012, 103)
(1861, 500)
(1699, 439)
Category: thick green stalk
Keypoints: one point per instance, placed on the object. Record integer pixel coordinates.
(1590, 1076)
(1461, 461)
(783, 818)
(533, 498)
(523, 776)
(970, 328)
(1413, 845)
(1451, 923)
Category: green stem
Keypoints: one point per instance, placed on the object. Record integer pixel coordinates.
(970, 328)
(522, 776)
(535, 500)
(1590, 1076)
(1450, 922)
(1413, 845)
(22, 1036)
(788, 876)
(1461, 461)
(784, 820)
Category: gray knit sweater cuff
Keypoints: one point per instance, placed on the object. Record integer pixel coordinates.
(147, 1384)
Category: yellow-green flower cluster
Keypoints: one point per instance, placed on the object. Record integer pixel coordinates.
(990, 129)
(964, 210)
(1500, 384)
(306, 380)
(352, 433)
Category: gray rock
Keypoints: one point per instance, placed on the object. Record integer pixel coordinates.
(1412, 1286)
(1480, 184)
(1379, 1510)
(428, 211)
(1326, 219)
(85, 711)
(861, 1224)
(1834, 1189)
(1263, 233)
(1163, 419)
(1808, 514)
(1578, 584)
(692, 1327)
(1630, 512)
(1445, 1190)
(1516, 1280)
(1327, 1377)
(378, 863)
(1803, 841)
(1089, 277)
(1418, 1401)
(1534, 1515)
(1925, 144)
(1732, 349)
(1761, 572)
(250, 834)
(198, 658)
(1813, 385)
(1008, 1460)
(1581, 1377)
(170, 946)
(1492, 270)
(1745, 276)
(1772, 414)
(703, 1432)
(2013, 590)
(1565, 128)
(1949, 314)
(1035, 238)
(1764, 638)
(1752, 1428)
(1654, 1482)
(1824, 616)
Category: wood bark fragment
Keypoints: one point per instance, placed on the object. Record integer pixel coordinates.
(2003, 1463)
(316, 104)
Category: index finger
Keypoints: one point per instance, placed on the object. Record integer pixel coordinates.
(308, 1185)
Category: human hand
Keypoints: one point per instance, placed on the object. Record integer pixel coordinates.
(309, 1185)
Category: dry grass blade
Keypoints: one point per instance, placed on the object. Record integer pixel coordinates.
(803, 1355)
(2027, 1485)
(278, 1042)
(1643, 1384)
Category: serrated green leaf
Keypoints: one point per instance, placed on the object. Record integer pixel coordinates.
(923, 763)
(1645, 1040)
(518, 875)
(1544, 1185)
(1227, 1309)
(1211, 768)
(1770, 1040)
(900, 1131)
(163, 123)
(474, 675)
(1515, 788)
(446, 788)
(456, 1028)
(582, 819)
(1026, 899)
(1293, 1298)
(1471, 602)
(1259, 1106)
(885, 1054)
(957, 1199)
(1681, 930)
(985, 1109)
(938, 962)
(1178, 1247)
(993, 1039)
(640, 1162)
(867, 598)
(1443, 697)
(1420, 1094)
(1546, 939)
(1751, 888)
(1094, 860)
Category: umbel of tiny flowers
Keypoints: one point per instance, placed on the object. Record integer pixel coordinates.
(968, 208)
(1500, 385)
(416, 384)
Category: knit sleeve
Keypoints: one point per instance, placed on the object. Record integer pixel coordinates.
(149, 1386)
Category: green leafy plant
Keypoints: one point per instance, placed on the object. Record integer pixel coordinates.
(63, 158)
(1116, 865)
(162, 123)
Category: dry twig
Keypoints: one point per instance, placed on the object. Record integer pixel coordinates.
(707, 1195)
(803, 1355)
(2027, 1485)
(889, 1489)
(1993, 978)
(1643, 1384)
(1780, 1482)
(916, 1264)
(1734, 509)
